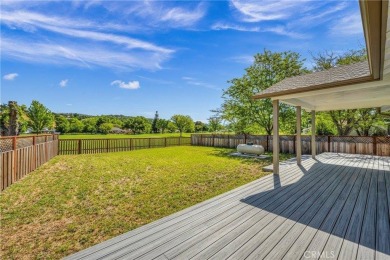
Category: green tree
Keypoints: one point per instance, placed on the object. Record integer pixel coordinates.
(183, 123)
(22, 118)
(138, 125)
(162, 125)
(200, 127)
(105, 128)
(171, 127)
(90, 125)
(369, 120)
(40, 117)
(155, 128)
(268, 68)
(62, 124)
(215, 124)
(76, 126)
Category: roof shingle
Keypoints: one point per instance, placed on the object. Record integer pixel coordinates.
(317, 80)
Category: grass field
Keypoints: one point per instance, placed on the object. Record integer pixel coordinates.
(76, 201)
(94, 136)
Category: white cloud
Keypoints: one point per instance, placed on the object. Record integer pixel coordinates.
(10, 76)
(348, 25)
(130, 85)
(224, 26)
(161, 13)
(266, 10)
(63, 83)
(80, 55)
(196, 82)
(243, 59)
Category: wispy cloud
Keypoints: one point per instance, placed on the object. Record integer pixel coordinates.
(225, 26)
(348, 25)
(77, 42)
(161, 14)
(80, 55)
(266, 10)
(130, 85)
(10, 76)
(63, 83)
(196, 82)
(243, 59)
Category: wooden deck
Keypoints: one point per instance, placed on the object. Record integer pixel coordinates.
(335, 207)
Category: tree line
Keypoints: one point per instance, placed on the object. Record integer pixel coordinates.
(243, 114)
(39, 118)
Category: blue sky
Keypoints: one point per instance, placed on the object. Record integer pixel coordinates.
(136, 57)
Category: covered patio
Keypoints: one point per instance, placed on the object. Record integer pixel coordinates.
(334, 206)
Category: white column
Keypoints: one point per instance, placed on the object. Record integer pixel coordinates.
(313, 134)
(275, 139)
(298, 146)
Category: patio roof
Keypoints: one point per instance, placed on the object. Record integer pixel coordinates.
(360, 85)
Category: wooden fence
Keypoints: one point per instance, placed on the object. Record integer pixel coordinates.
(89, 146)
(23, 154)
(375, 145)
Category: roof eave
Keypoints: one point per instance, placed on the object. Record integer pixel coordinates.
(316, 87)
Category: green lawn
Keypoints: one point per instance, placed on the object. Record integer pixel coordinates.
(93, 136)
(76, 201)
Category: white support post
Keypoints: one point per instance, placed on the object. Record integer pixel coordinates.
(275, 139)
(298, 142)
(313, 134)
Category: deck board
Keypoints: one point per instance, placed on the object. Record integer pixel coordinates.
(337, 202)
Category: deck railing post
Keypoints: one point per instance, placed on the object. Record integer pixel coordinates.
(329, 144)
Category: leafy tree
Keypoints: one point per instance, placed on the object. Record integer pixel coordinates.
(183, 123)
(40, 117)
(162, 125)
(76, 126)
(62, 124)
(155, 128)
(105, 128)
(344, 120)
(215, 124)
(22, 118)
(200, 127)
(368, 120)
(324, 124)
(138, 125)
(268, 68)
(89, 125)
(171, 127)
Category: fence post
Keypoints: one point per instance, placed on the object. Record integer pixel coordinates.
(34, 153)
(328, 143)
(131, 144)
(213, 140)
(228, 141)
(15, 157)
(179, 140)
(107, 145)
(165, 142)
(149, 142)
(80, 151)
(374, 141)
(244, 138)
